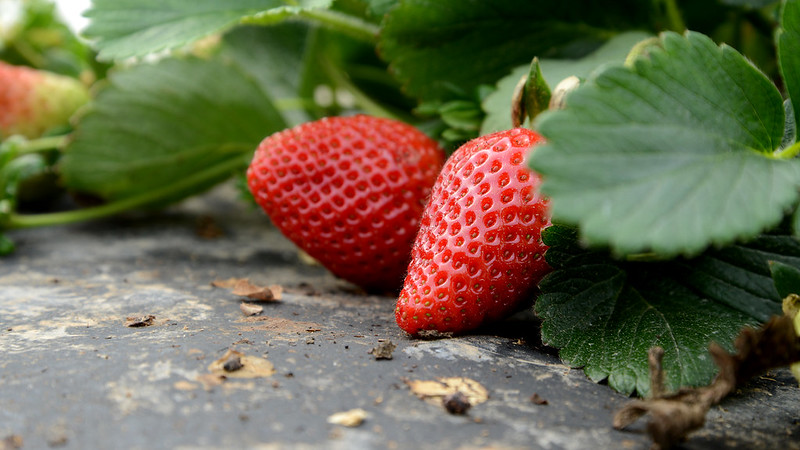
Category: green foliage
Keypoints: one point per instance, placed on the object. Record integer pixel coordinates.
(786, 278)
(435, 46)
(605, 314)
(158, 124)
(671, 155)
(127, 28)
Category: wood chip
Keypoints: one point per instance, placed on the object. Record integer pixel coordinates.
(435, 390)
(137, 322)
(244, 288)
(351, 418)
(249, 309)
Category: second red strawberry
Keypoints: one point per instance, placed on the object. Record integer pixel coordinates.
(350, 191)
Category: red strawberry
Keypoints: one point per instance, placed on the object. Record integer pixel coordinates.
(479, 252)
(349, 191)
(32, 101)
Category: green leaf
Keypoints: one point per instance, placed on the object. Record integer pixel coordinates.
(435, 46)
(749, 3)
(606, 314)
(256, 51)
(156, 125)
(671, 155)
(128, 28)
(786, 278)
(788, 37)
(498, 104)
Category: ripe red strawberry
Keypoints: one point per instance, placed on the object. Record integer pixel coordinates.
(32, 101)
(479, 251)
(350, 191)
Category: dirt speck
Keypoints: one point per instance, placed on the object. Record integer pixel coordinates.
(383, 350)
(456, 403)
(140, 321)
(537, 399)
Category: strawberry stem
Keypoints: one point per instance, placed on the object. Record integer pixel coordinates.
(38, 145)
(370, 106)
(14, 220)
(343, 23)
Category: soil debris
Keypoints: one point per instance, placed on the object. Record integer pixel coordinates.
(434, 391)
(12, 442)
(674, 415)
(537, 399)
(138, 322)
(208, 228)
(234, 364)
(384, 350)
(249, 309)
(456, 403)
(351, 418)
(244, 288)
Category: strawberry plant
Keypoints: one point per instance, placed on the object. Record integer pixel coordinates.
(671, 170)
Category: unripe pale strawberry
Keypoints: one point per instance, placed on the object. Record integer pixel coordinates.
(33, 101)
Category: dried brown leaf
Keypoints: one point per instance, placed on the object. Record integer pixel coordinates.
(673, 416)
(244, 288)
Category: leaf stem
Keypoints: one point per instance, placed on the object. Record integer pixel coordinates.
(61, 218)
(344, 23)
(45, 143)
(674, 18)
(341, 80)
(789, 152)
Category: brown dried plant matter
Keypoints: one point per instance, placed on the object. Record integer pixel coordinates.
(674, 415)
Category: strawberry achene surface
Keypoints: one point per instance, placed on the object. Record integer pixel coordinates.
(479, 251)
(350, 191)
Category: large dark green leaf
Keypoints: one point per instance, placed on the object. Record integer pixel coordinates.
(605, 314)
(438, 46)
(671, 155)
(126, 28)
(155, 125)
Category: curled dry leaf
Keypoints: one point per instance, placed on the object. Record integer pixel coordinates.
(434, 391)
(141, 321)
(351, 418)
(245, 366)
(673, 416)
(244, 288)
